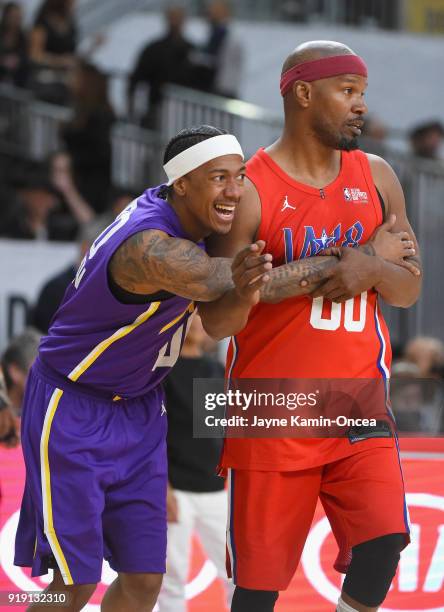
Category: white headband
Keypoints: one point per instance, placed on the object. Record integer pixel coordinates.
(201, 153)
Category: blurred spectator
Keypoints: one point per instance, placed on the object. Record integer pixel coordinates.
(165, 60)
(374, 128)
(296, 10)
(53, 43)
(87, 136)
(377, 13)
(118, 199)
(14, 61)
(54, 36)
(406, 402)
(417, 403)
(196, 497)
(427, 354)
(53, 290)
(34, 214)
(374, 135)
(8, 423)
(426, 140)
(61, 177)
(50, 297)
(219, 62)
(404, 369)
(16, 361)
(398, 349)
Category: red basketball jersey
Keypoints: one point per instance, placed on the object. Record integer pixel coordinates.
(303, 337)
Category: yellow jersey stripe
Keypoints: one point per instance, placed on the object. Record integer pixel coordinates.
(46, 488)
(120, 333)
(44, 442)
(189, 308)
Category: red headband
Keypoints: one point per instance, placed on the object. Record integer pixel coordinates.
(323, 69)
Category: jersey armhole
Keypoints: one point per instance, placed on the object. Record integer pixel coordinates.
(127, 297)
(381, 201)
(376, 197)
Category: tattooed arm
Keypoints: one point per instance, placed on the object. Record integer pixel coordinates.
(151, 261)
(393, 247)
(229, 314)
(285, 281)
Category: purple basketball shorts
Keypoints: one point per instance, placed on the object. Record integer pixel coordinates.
(96, 476)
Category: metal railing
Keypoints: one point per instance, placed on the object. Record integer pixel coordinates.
(30, 129)
(94, 14)
(136, 156)
(254, 126)
(423, 184)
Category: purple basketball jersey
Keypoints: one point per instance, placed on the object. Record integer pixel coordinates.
(121, 349)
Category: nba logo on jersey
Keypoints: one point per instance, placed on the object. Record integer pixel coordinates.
(355, 195)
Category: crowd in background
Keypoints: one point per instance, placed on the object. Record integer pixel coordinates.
(52, 201)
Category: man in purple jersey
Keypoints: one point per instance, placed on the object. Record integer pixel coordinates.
(94, 424)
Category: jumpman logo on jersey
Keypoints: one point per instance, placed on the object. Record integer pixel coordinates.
(163, 409)
(287, 205)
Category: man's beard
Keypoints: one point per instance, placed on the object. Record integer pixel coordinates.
(333, 139)
(347, 144)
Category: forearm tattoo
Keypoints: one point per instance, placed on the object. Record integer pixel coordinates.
(285, 280)
(149, 261)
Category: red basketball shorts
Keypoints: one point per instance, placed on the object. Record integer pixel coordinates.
(270, 513)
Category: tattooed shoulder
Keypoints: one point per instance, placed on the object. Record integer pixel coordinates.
(150, 261)
(127, 264)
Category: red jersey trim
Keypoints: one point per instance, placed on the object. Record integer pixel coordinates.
(276, 169)
(367, 172)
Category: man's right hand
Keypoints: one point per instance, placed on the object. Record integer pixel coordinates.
(249, 270)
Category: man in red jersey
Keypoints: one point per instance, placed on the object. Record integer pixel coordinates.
(308, 191)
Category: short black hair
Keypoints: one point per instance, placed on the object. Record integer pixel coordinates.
(184, 140)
